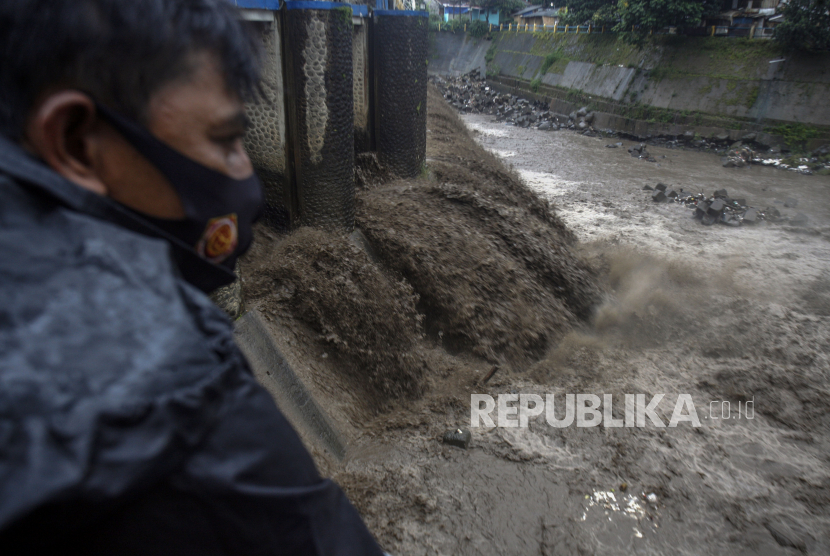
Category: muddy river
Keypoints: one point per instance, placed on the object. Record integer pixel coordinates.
(737, 319)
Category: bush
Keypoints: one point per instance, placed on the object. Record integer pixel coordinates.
(478, 28)
(806, 26)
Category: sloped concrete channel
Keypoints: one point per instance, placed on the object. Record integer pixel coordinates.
(276, 375)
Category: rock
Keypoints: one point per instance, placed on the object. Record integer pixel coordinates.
(736, 145)
(611, 146)
(658, 196)
(582, 125)
(544, 126)
(789, 202)
(648, 188)
(740, 202)
(784, 536)
(749, 137)
(716, 207)
(708, 219)
(589, 117)
(458, 437)
(751, 216)
(582, 112)
(729, 163)
(671, 194)
(572, 116)
(660, 186)
(729, 219)
(701, 209)
(720, 193)
(722, 137)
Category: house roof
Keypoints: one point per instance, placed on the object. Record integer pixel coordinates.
(527, 10)
(552, 12)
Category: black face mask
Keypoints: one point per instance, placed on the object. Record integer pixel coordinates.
(219, 210)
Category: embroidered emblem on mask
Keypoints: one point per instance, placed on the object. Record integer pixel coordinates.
(220, 238)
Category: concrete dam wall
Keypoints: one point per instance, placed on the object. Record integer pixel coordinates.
(716, 82)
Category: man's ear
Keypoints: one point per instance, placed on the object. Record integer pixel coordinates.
(65, 132)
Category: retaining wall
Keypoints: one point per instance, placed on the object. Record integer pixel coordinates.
(727, 78)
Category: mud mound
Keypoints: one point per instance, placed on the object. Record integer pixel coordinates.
(491, 262)
(454, 157)
(368, 317)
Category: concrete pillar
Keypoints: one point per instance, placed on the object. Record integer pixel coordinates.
(320, 100)
(265, 141)
(361, 80)
(400, 58)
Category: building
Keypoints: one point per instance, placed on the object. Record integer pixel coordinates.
(490, 15)
(448, 11)
(546, 17)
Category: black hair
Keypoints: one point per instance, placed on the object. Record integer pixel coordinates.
(119, 51)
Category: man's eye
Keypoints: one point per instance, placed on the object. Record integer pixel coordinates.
(229, 140)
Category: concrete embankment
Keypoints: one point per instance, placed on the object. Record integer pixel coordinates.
(712, 86)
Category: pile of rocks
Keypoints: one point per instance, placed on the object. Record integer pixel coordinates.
(470, 94)
(739, 156)
(721, 208)
(639, 151)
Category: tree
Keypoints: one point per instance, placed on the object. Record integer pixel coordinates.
(806, 25)
(596, 12)
(640, 17)
(635, 19)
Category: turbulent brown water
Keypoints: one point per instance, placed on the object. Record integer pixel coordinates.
(719, 313)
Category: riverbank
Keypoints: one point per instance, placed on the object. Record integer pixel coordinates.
(709, 86)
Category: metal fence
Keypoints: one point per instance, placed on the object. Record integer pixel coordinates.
(710, 31)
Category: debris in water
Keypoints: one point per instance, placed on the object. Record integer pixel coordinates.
(458, 437)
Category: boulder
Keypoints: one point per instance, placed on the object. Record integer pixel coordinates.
(716, 207)
(658, 196)
(582, 112)
(661, 187)
(720, 193)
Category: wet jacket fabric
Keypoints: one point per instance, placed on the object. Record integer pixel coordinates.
(130, 422)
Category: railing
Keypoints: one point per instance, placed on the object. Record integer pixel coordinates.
(712, 31)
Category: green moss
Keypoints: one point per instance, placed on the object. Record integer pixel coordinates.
(534, 85)
(795, 135)
(491, 53)
(752, 97)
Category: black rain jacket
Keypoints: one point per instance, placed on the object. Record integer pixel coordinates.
(130, 422)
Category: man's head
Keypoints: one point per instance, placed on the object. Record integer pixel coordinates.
(180, 68)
